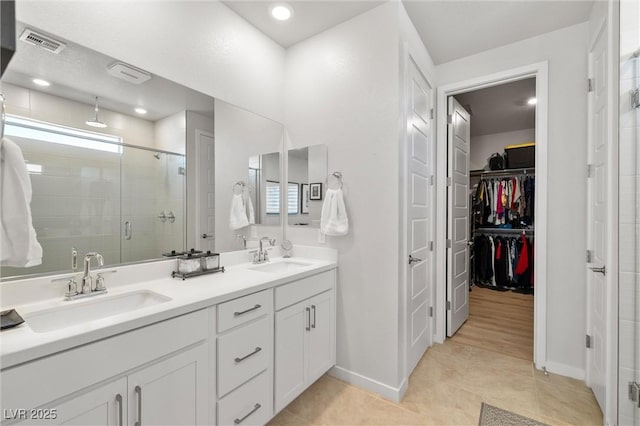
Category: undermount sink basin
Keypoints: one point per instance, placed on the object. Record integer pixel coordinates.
(286, 266)
(102, 306)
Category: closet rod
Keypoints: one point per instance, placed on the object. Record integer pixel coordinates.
(504, 231)
(506, 172)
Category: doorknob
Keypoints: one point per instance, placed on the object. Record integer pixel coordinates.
(205, 236)
(602, 270)
(413, 260)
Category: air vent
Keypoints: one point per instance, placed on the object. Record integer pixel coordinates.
(40, 40)
(128, 73)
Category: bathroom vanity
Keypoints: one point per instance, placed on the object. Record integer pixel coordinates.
(230, 348)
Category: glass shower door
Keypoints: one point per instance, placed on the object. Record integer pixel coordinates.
(629, 304)
(153, 217)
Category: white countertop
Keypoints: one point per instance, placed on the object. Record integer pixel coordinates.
(22, 344)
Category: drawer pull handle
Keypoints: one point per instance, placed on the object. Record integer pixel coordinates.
(255, 408)
(313, 308)
(119, 402)
(258, 349)
(138, 391)
(237, 314)
(308, 318)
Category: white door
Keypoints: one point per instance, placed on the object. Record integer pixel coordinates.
(171, 392)
(419, 153)
(290, 369)
(459, 135)
(205, 190)
(103, 406)
(597, 220)
(320, 351)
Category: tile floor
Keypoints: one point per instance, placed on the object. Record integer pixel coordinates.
(447, 388)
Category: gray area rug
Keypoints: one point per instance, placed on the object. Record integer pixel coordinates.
(494, 416)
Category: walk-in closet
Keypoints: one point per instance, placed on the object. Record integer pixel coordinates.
(500, 215)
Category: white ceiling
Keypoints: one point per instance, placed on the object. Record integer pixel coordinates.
(450, 29)
(79, 74)
(455, 29)
(310, 17)
(501, 108)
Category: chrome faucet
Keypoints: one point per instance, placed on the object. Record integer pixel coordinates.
(262, 255)
(87, 281)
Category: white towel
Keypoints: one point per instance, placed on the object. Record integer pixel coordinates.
(333, 220)
(249, 207)
(18, 242)
(238, 215)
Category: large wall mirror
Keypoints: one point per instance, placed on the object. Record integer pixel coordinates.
(122, 161)
(307, 180)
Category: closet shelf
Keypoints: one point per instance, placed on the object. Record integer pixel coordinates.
(511, 231)
(506, 172)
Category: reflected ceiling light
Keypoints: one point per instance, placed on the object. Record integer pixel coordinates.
(532, 101)
(95, 122)
(41, 82)
(140, 110)
(281, 11)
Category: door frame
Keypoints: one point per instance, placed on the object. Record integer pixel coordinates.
(408, 56)
(540, 71)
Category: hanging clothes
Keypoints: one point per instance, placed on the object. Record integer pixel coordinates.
(504, 201)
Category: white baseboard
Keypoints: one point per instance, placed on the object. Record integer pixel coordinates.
(565, 370)
(389, 392)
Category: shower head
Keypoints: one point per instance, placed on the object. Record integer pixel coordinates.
(157, 155)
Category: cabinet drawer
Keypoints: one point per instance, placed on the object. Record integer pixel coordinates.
(249, 404)
(288, 294)
(243, 353)
(244, 309)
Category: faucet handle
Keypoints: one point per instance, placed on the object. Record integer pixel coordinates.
(100, 279)
(272, 242)
(72, 286)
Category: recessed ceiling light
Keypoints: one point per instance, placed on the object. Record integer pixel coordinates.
(532, 101)
(41, 82)
(281, 11)
(140, 110)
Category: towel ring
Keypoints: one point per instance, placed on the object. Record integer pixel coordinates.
(338, 177)
(240, 186)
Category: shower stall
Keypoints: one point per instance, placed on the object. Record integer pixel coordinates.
(629, 175)
(91, 192)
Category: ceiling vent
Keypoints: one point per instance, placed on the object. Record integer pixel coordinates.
(40, 40)
(128, 73)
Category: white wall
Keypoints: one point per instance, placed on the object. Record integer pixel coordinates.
(171, 133)
(566, 51)
(483, 146)
(200, 44)
(240, 134)
(342, 90)
(629, 207)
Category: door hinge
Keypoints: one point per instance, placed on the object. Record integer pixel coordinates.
(431, 311)
(448, 305)
(449, 244)
(589, 256)
(449, 181)
(588, 341)
(432, 180)
(589, 170)
(430, 245)
(634, 392)
(589, 85)
(433, 114)
(450, 119)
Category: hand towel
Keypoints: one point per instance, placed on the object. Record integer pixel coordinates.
(333, 220)
(238, 215)
(249, 207)
(19, 244)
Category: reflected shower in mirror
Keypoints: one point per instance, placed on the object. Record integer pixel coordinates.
(105, 146)
(307, 175)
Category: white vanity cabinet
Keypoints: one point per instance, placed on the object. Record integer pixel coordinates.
(304, 335)
(138, 375)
